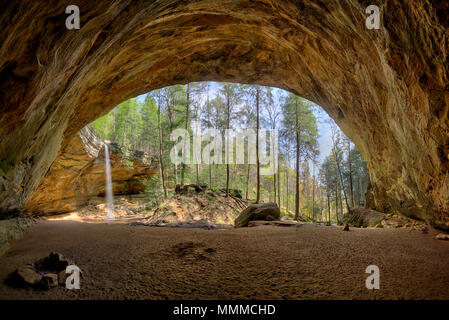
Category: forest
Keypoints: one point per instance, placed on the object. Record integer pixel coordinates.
(302, 186)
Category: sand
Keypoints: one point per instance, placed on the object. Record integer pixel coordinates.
(266, 262)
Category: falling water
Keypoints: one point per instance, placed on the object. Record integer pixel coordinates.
(109, 195)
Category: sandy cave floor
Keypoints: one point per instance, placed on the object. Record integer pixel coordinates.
(266, 262)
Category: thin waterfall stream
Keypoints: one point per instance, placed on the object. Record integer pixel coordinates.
(109, 194)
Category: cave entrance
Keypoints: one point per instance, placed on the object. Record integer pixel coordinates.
(155, 123)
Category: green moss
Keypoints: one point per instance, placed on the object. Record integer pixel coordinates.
(286, 213)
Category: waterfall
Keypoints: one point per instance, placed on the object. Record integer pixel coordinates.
(109, 195)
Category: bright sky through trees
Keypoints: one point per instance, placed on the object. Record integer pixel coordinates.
(324, 139)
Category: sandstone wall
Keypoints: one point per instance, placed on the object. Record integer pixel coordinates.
(387, 89)
(78, 175)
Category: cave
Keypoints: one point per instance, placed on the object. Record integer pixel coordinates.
(386, 88)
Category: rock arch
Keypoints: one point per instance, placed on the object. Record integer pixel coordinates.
(387, 89)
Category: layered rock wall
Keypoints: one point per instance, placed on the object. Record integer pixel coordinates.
(387, 89)
(78, 175)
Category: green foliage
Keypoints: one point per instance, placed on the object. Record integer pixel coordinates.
(153, 192)
(299, 117)
(133, 124)
(286, 213)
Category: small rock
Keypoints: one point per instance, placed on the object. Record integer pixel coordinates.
(50, 280)
(54, 262)
(346, 227)
(62, 277)
(29, 275)
(442, 236)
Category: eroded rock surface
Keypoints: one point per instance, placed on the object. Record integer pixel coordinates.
(387, 89)
(11, 230)
(78, 175)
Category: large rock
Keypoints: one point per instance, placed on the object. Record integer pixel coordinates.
(261, 211)
(363, 217)
(387, 89)
(29, 275)
(78, 175)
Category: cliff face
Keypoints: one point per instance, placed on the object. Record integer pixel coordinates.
(387, 89)
(78, 174)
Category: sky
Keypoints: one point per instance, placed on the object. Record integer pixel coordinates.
(324, 140)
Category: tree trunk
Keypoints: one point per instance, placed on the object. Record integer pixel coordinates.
(360, 196)
(297, 179)
(298, 140)
(183, 165)
(210, 175)
(257, 145)
(313, 198)
(175, 169)
(336, 202)
(161, 161)
(171, 117)
(288, 197)
(274, 188)
(247, 182)
(351, 190)
(197, 174)
(279, 186)
(341, 205)
(337, 162)
(228, 120)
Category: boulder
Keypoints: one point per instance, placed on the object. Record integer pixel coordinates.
(29, 275)
(442, 236)
(360, 216)
(263, 211)
(50, 280)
